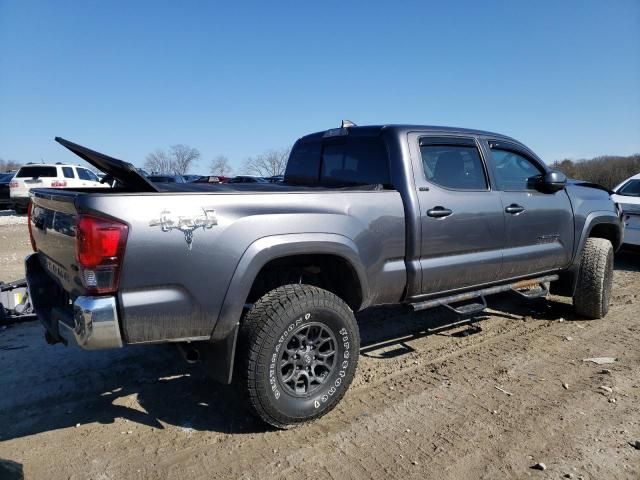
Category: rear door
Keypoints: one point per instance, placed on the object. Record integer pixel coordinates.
(538, 226)
(461, 216)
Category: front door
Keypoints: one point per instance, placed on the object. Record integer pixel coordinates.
(461, 217)
(538, 226)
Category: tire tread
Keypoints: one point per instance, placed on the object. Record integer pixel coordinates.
(260, 325)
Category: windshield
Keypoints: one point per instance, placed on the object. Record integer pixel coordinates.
(630, 189)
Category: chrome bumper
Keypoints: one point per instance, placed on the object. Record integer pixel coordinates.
(95, 324)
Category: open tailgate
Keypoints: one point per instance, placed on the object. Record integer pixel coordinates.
(122, 171)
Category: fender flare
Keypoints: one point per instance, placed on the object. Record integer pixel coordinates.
(595, 218)
(255, 257)
(566, 285)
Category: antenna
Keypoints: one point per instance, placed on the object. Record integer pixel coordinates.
(347, 124)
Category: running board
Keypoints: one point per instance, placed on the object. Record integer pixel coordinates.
(475, 307)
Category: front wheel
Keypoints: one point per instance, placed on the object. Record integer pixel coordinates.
(298, 353)
(593, 291)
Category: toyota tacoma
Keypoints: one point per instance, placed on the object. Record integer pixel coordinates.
(261, 281)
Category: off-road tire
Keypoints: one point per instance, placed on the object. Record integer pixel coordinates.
(267, 333)
(593, 290)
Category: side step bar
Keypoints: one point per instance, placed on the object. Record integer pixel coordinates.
(480, 294)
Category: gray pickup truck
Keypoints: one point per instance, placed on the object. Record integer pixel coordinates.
(262, 280)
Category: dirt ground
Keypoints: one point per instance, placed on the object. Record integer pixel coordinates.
(428, 401)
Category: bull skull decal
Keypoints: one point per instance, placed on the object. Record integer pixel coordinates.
(186, 224)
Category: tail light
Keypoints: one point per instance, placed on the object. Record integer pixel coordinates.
(29, 213)
(13, 184)
(100, 244)
(58, 183)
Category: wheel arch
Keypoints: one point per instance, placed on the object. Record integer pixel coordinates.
(263, 253)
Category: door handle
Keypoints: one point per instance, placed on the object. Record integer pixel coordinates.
(514, 209)
(439, 212)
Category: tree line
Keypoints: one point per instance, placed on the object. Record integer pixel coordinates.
(177, 160)
(607, 170)
(9, 165)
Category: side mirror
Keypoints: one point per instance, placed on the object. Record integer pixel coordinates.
(551, 182)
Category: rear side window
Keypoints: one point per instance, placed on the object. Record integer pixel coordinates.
(68, 172)
(344, 161)
(458, 167)
(37, 171)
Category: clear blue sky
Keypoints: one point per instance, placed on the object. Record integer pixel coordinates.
(127, 77)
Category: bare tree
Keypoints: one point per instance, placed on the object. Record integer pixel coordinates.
(183, 156)
(220, 166)
(176, 161)
(158, 162)
(269, 163)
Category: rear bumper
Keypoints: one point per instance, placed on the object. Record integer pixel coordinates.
(88, 322)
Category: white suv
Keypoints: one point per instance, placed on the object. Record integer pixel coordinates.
(49, 176)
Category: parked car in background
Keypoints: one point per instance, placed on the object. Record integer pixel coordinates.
(247, 179)
(627, 195)
(276, 179)
(57, 175)
(211, 179)
(166, 178)
(191, 178)
(5, 198)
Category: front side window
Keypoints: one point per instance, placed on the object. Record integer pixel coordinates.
(514, 171)
(67, 172)
(85, 174)
(458, 167)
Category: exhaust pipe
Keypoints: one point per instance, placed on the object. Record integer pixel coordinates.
(190, 354)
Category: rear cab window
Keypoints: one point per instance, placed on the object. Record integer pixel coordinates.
(39, 171)
(340, 161)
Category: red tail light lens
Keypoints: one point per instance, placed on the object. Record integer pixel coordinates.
(100, 244)
(29, 214)
(58, 183)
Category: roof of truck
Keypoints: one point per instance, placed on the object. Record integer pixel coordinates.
(366, 130)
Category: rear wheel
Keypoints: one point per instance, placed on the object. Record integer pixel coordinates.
(593, 290)
(298, 353)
